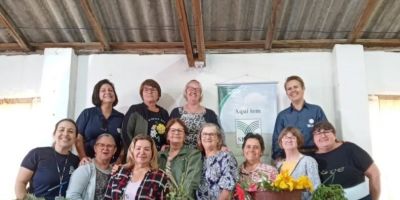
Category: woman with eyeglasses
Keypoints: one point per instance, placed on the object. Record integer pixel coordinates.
(346, 164)
(182, 164)
(193, 113)
(102, 118)
(296, 163)
(220, 172)
(47, 170)
(89, 181)
(146, 117)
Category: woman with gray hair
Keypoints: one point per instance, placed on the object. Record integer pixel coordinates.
(89, 181)
(220, 171)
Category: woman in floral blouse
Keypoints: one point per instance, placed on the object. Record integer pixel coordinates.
(219, 167)
(193, 113)
(139, 178)
(253, 170)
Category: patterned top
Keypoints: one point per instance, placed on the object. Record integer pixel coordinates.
(219, 172)
(153, 185)
(193, 122)
(139, 119)
(255, 176)
(101, 183)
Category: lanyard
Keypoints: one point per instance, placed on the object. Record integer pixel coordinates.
(61, 175)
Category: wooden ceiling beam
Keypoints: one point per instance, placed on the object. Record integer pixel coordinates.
(363, 20)
(176, 47)
(184, 29)
(13, 30)
(74, 45)
(94, 22)
(11, 47)
(276, 14)
(317, 44)
(198, 25)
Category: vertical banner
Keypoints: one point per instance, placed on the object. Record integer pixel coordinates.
(247, 108)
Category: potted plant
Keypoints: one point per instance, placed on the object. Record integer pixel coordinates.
(329, 192)
(282, 188)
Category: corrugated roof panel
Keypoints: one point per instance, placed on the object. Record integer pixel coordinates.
(235, 20)
(319, 19)
(139, 21)
(49, 20)
(385, 22)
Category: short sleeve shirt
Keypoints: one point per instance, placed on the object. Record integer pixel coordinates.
(344, 165)
(92, 123)
(45, 181)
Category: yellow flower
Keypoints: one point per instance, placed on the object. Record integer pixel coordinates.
(303, 182)
(284, 181)
(160, 129)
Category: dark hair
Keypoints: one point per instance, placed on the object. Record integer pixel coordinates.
(96, 90)
(254, 136)
(173, 121)
(66, 120)
(152, 83)
(326, 125)
(218, 132)
(295, 78)
(296, 132)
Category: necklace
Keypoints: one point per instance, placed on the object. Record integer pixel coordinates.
(60, 173)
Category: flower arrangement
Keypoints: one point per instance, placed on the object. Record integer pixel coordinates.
(282, 185)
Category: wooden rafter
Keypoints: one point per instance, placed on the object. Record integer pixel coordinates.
(240, 46)
(274, 19)
(13, 30)
(184, 29)
(363, 20)
(94, 22)
(198, 25)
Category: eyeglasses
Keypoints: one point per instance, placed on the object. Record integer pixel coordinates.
(209, 134)
(108, 146)
(193, 89)
(289, 138)
(149, 89)
(176, 130)
(320, 132)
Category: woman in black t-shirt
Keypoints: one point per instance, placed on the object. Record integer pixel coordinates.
(345, 163)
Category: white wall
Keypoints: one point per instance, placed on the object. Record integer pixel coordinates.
(172, 73)
(20, 76)
(383, 70)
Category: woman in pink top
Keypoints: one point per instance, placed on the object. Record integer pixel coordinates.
(253, 170)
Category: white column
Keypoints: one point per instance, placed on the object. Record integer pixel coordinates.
(58, 86)
(351, 95)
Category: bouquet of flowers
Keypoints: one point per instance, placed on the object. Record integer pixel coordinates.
(284, 185)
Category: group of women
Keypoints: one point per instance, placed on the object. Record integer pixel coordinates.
(166, 157)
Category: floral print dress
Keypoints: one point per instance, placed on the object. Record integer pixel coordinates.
(193, 122)
(219, 172)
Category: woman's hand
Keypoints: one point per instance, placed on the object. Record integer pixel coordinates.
(164, 147)
(115, 168)
(225, 149)
(85, 160)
